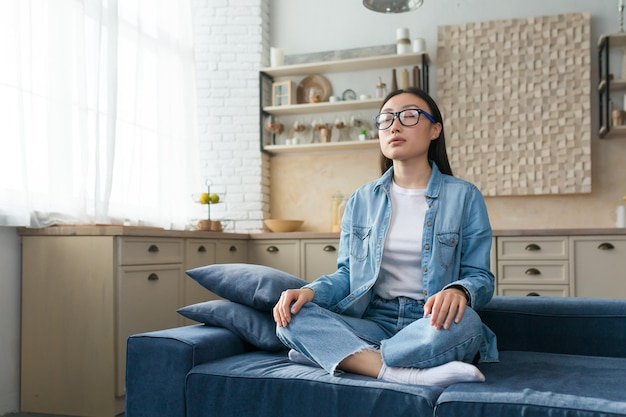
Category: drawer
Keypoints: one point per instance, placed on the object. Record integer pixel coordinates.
(319, 257)
(283, 255)
(232, 251)
(538, 272)
(199, 252)
(150, 251)
(538, 290)
(533, 247)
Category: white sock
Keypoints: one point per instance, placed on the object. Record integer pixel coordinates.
(443, 375)
(297, 357)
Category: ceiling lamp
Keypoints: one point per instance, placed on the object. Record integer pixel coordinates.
(392, 6)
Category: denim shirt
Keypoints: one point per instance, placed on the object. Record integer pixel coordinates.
(456, 247)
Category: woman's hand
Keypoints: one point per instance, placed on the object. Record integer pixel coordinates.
(445, 306)
(284, 309)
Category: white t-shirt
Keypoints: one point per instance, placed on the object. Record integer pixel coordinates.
(401, 270)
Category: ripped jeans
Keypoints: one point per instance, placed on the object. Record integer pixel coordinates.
(395, 327)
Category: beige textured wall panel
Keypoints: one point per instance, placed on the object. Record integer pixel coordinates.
(515, 95)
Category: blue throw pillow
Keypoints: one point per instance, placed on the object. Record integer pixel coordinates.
(252, 285)
(255, 327)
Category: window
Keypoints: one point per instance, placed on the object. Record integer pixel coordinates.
(99, 112)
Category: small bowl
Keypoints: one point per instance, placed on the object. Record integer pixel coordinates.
(279, 225)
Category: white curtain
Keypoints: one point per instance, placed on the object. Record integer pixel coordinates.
(97, 113)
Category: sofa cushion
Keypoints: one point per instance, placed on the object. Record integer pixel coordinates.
(268, 384)
(256, 286)
(567, 325)
(533, 383)
(254, 326)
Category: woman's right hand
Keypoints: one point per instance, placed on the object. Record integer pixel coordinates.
(290, 302)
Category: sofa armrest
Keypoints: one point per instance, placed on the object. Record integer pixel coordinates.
(157, 364)
(580, 326)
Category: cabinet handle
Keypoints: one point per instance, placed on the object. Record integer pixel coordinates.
(532, 247)
(606, 246)
(153, 277)
(153, 248)
(329, 248)
(233, 248)
(532, 271)
(201, 249)
(272, 249)
(532, 294)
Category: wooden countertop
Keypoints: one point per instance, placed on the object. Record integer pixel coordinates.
(560, 232)
(118, 230)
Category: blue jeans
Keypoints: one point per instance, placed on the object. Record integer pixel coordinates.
(395, 327)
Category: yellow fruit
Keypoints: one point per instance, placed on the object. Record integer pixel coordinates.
(204, 198)
(214, 198)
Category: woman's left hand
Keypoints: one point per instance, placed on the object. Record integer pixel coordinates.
(444, 307)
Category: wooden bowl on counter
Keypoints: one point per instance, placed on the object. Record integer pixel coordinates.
(280, 225)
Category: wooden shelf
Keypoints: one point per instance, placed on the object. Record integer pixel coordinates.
(615, 85)
(615, 39)
(325, 107)
(319, 147)
(269, 75)
(354, 64)
(614, 132)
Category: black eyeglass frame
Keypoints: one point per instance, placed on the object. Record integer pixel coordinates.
(396, 115)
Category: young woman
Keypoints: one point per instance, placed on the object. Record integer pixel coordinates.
(413, 266)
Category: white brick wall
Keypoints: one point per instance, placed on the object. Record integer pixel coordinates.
(232, 43)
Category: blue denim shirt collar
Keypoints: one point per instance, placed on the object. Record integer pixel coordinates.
(432, 189)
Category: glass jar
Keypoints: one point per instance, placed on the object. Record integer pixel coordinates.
(338, 207)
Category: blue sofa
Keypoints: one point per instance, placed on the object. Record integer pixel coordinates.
(558, 357)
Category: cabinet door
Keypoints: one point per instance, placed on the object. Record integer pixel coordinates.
(231, 251)
(148, 298)
(600, 266)
(319, 257)
(198, 253)
(280, 254)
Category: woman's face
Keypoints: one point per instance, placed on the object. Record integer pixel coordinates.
(405, 143)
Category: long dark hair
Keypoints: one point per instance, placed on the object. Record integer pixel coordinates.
(437, 149)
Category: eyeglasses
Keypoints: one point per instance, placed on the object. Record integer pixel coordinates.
(407, 117)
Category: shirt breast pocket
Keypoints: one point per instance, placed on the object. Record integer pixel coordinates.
(359, 242)
(447, 243)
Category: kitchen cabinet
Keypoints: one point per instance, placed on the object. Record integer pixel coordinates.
(268, 75)
(203, 252)
(305, 258)
(282, 254)
(85, 289)
(319, 257)
(599, 265)
(82, 296)
(609, 86)
(535, 265)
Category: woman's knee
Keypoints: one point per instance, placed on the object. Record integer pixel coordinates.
(298, 321)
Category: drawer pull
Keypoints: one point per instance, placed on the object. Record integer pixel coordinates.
(153, 248)
(329, 248)
(532, 247)
(153, 277)
(532, 294)
(233, 248)
(201, 249)
(272, 249)
(532, 271)
(606, 246)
